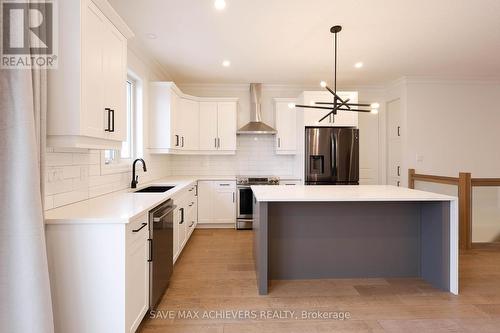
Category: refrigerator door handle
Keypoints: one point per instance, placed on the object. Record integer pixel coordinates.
(334, 155)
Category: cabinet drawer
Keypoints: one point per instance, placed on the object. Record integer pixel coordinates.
(221, 185)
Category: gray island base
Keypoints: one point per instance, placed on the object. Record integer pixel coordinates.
(355, 239)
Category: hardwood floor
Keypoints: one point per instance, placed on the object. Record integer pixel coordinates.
(215, 274)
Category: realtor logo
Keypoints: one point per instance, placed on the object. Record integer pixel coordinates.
(29, 34)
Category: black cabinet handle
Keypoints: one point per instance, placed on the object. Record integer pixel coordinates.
(112, 113)
(399, 130)
(233, 196)
(143, 225)
(182, 215)
(182, 140)
(399, 183)
(177, 140)
(150, 250)
(109, 120)
(399, 170)
(215, 142)
(279, 142)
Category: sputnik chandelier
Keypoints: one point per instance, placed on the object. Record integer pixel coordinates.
(338, 103)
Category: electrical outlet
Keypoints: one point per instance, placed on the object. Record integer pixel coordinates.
(420, 158)
(52, 175)
(59, 174)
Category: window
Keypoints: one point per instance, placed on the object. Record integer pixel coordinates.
(123, 157)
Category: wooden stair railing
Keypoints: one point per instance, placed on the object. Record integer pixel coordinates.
(464, 183)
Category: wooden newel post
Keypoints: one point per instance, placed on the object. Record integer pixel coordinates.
(465, 210)
(411, 180)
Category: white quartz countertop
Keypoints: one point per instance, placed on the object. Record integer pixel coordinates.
(323, 193)
(122, 206)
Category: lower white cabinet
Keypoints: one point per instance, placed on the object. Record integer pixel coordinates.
(99, 275)
(216, 202)
(185, 217)
(137, 272)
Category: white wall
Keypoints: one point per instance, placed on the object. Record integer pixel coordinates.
(454, 126)
(256, 155)
(75, 175)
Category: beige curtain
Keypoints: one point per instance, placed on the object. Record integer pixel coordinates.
(25, 300)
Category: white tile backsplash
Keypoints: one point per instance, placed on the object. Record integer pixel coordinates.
(76, 175)
(255, 156)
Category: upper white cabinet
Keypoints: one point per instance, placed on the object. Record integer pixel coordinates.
(312, 116)
(286, 126)
(189, 124)
(183, 124)
(218, 132)
(86, 94)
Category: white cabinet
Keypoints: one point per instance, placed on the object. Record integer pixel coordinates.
(137, 272)
(218, 130)
(286, 126)
(394, 143)
(312, 116)
(188, 126)
(226, 125)
(99, 274)
(208, 130)
(216, 202)
(184, 124)
(86, 94)
(165, 118)
(185, 217)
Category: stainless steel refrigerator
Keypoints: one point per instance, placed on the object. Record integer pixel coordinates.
(332, 156)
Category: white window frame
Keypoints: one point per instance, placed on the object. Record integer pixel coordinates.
(119, 164)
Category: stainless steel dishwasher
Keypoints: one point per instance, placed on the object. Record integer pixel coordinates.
(161, 240)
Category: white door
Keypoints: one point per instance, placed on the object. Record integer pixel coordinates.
(394, 142)
(94, 116)
(226, 125)
(115, 76)
(286, 125)
(176, 232)
(189, 124)
(224, 202)
(208, 128)
(205, 196)
(137, 278)
(175, 120)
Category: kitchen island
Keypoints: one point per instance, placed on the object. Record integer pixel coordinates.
(367, 231)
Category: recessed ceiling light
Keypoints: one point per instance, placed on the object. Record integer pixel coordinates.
(226, 63)
(358, 64)
(151, 36)
(220, 4)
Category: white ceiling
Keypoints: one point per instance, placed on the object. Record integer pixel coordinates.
(288, 41)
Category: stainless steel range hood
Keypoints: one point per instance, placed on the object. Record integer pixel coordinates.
(256, 126)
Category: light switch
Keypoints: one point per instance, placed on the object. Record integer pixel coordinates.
(420, 158)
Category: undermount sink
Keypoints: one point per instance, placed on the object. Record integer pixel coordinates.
(155, 189)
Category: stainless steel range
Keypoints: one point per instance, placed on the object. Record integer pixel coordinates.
(244, 217)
